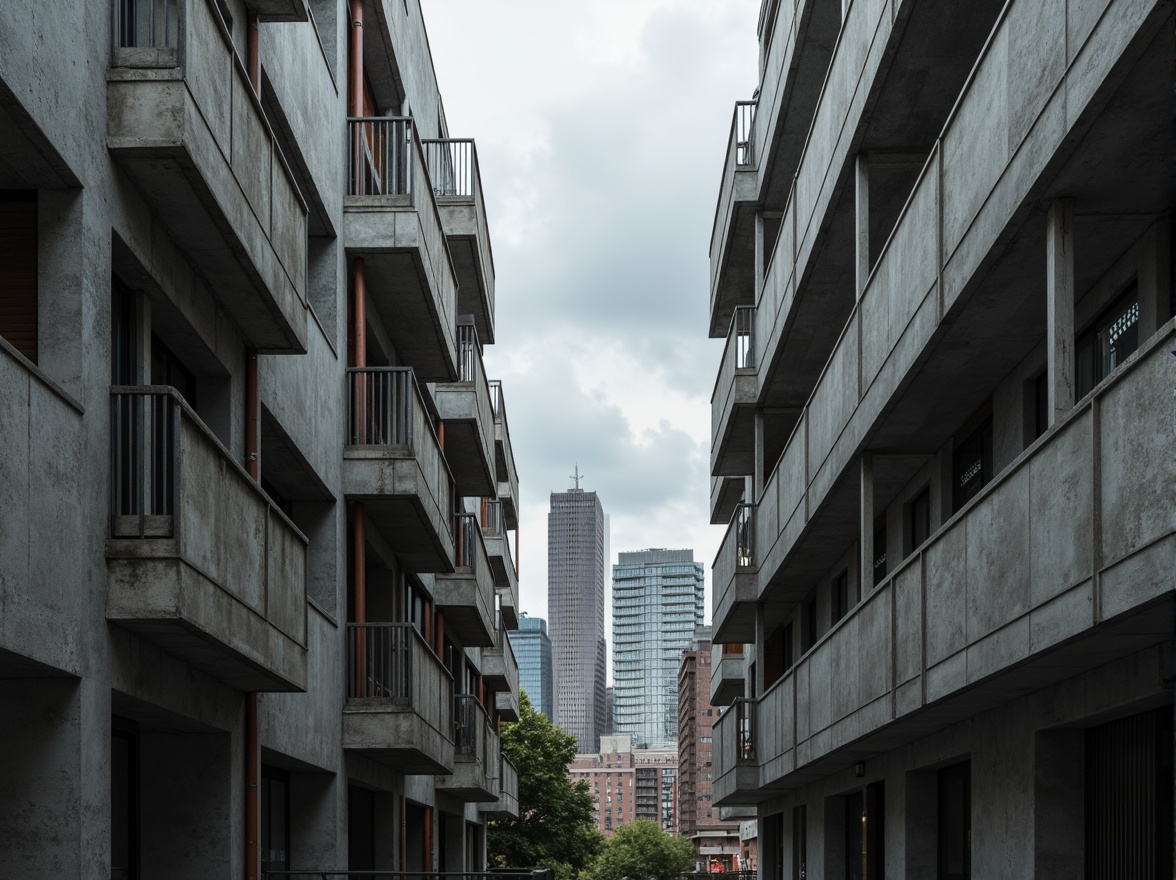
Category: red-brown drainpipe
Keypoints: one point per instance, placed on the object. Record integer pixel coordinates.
(253, 61)
(355, 61)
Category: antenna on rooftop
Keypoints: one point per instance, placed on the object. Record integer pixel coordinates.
(578, 476)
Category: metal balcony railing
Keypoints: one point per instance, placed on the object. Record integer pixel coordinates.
(381, 406)
(146, 24)
(380, 156)
(744, 526)
(743, 337)
(469, 352)
(493, 519)
(379, 661)
(735, 735)
(468, 731)
(744, 130)
(465, 538)
(144, 459)
(453, 167)
(499, 874)
(498, 401)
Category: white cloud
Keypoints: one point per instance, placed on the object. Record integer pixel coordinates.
(601, 128)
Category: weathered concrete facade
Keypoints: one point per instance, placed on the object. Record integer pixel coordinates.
(253, 606)
(942, 432)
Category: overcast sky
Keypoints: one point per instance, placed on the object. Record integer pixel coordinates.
(601, 127)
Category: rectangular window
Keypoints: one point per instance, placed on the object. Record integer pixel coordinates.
(879, 555)
(840, 595)
(275, 819)
(18, 280)
(810, 623)
(919, 520)
(972, 465)
(864, 834)
(1112, 338)
(124, 800)
(799, 843)
(167, 369)
(955, 822)
(123, 334)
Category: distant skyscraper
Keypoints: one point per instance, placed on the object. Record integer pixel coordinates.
(657, 603)
(532, 650)
(575, 602)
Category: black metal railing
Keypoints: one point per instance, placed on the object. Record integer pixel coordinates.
(380, 155)
(379, 661)
(382, 401)
(469, 352)
(465, 538)
(493, 519)
(146, 24)
(144, 458)
(744, 525)
(453, 166)
(496, 874)
(744, 123)
(743, 336)
(467, 732)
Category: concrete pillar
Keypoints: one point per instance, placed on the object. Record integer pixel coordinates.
(761, 252)
(861, 240)
(759, 457)
(1059, 292)
(866, 575)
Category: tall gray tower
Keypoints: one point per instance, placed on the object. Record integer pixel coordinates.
(575, 605)
(657, 603)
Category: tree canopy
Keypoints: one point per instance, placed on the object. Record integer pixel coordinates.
(555, 827)
(641, 850)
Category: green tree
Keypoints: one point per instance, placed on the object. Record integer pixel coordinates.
(555, 827)
(641, 850)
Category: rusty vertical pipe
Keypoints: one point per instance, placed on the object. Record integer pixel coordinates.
(428, 838)
(439, 634)
(355, 61)
(253, 52)
(403, 833)
(359, 313)
(252, 790)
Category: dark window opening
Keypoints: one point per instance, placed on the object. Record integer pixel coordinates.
(124, 799)
(955, 822)
(167, 369)
(879, 555)
(275, 819)
(1112, 338)
(124, 326)
(840, 596)
(18, 280)
(972, 465)
(1041, 405)
(799, 843)
(919, 520)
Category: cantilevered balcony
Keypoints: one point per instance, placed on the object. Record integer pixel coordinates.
(398, 708)
(476, 754)
(499, 667)
(725, 494)
(508, 475)
(733, 234)
(392, 462)
(507, 805)
(457, 185)
(184, 125)
(728, 671)
(200, 561)
(1061, 564)
(736, 762)
(733, 400)
(735, 577)
(467, 595)
(467, 414)
(391, 220)
(506, 578)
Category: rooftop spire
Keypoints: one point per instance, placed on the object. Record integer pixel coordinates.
(577, 477)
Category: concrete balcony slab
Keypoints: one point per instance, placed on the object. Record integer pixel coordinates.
(200, 562)
(466, 596)
(477, 754)
(184, 125)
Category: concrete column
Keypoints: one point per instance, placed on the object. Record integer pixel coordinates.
(1059, 292)
(867, 524)
(761, 252)
(759, 457)
(861, 240)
